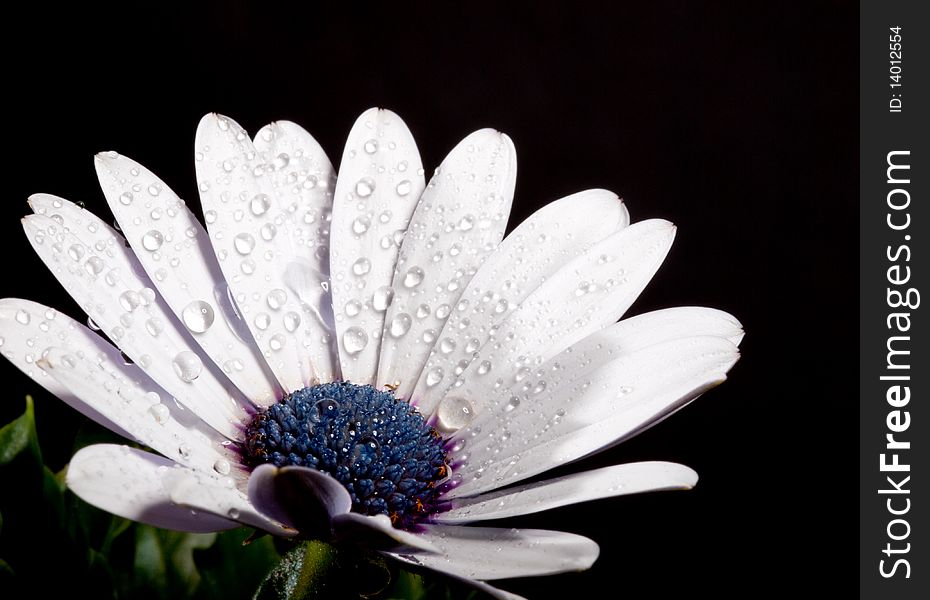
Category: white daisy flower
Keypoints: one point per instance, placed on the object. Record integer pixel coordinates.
(361, 360)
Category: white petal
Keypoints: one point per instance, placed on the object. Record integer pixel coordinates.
(219, 495)
(302, 498)
(184, 271)
(586, 294)
(27, 328)
(459, 221)
(553, 381)
(618, 480)
(536, 249)
(491, 553)
(150, 417)
(380, 180)
(107, 281)
(608, 405)
(304, 180)
(377, 532)
(129, 483)
(274, 290)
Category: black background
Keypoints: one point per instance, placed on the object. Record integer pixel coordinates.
(736, 122)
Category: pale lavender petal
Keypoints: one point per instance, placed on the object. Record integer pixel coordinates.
(27, 327)
(303, 180)
(376, 531)
(614, 402)
(533, 252)
(184, 270)
(491, 553)
(458, 223)
(585, 295)
(619, 480)
(171, 430)
(129, 483)
(380, 180)
(240, 202)
(94, 265)
(302, 498)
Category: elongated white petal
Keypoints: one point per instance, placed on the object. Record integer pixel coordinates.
(377, 532)
(585, 295)
(303, 179)
(104, 277)
(537, 248)
(459, 221)
(619, 480)
(27, 328)
(162, 425)
(491, 553)
(555, 380)
(219, 495)
(380, 180)
(610, 404)
(129, 483)
(270, 284)
(302, 498)
(184, 270)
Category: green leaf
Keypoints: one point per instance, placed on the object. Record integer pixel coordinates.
(19, 436)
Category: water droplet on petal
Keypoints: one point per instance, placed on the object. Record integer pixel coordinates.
(277, 342)
(94, 265)
(291, 321)
(153, 240)
(382, 298)
(268, 231)
(198, 316)
(512, 404)
(354, 340)
(125, 198)
(262, 321)
(414, 277)
(361, 225)
(353, 308)
(260, 204)
(76, 252)
(160, 413)
(130, 300)
(276, 299)
(365, 187)
(434, 376)
(187, 366)
(361, 266)
(221, 466)
(455, 412)
(244, 243)
(400, 325)
(371, 146)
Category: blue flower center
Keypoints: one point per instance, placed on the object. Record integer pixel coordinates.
(380, 448)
